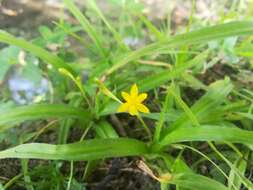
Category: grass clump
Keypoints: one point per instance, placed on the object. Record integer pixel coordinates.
(193, 131)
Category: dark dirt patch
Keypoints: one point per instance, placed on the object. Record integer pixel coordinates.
(9, 167)
(23, 19)
(121, 174)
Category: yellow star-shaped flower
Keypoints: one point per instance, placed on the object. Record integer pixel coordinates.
(133, 103)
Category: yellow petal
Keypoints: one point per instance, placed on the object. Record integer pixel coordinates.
(142, 108)
(123, 107)
(134, 91)
(126, 96)
(133, 110)
(142, 97)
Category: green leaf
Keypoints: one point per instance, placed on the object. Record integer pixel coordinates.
(158, 79)
(245, 115)
(241, 164)
(115, 34)
(45, 32)
(86, 25)
(188, 112)
(8, 57)
(85, 150)
(176, 165)
(31, 71)
(170, 115)
(77, 185)
(40, 111)
(208, 133)
(196, 182)
(245, 49)
(104, 130)
(206, 107)
(66, 124)
(153, 29)
(237, 28)
(46, 56)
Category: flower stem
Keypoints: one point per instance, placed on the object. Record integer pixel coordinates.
(145, 126)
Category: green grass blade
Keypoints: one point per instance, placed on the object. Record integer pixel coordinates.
(241, 164)
(27, 178)
(206, 158)
(246, 182)
(65, 124)
(204, 107)
(188, 112)
(72, 32)
(171, 115)
(116, 35)
(86, 150)
(159, 35)
(177, 165)
(44, 55)
(203, 35)
(87, 27)
(158, 79)
(196, 182)
(245, 115)
(104, 130)
(160, 124)
(43, 111)
(208, 133)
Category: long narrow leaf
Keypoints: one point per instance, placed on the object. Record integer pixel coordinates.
(208, 133)
(203, 35)
(196, 182)
(46, 56)
(85, 24)
(158, 79)
(86, 150)
(204, 107)
(23, 113)
(115, 34)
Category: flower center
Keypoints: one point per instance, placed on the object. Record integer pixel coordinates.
(133, 101)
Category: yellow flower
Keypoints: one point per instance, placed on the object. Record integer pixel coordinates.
(133, 103)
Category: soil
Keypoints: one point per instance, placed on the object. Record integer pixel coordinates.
(122, 174)
(15, 17)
